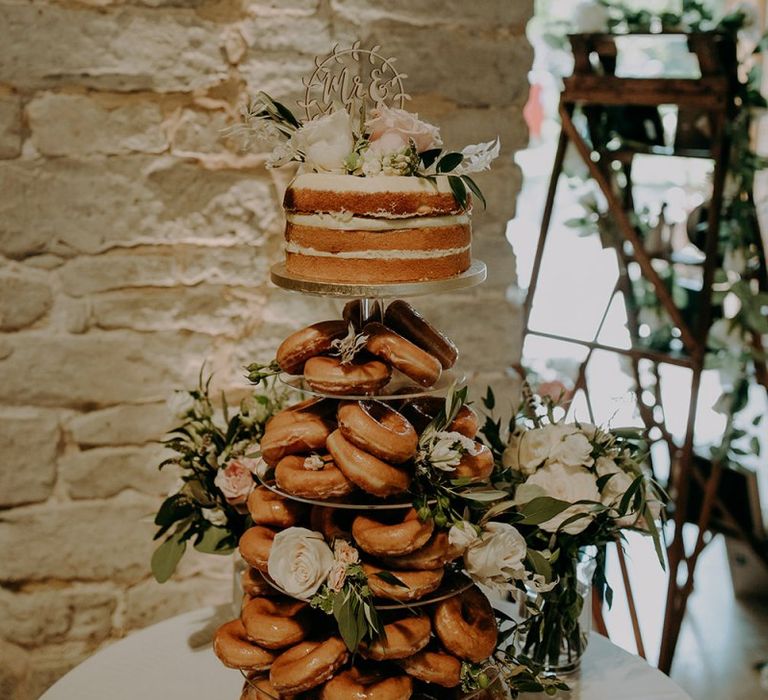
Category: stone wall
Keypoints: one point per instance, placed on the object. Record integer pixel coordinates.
(136, 243)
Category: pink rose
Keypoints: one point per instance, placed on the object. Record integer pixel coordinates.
(235, 482)
(555, 390)
(337, 576)
(345, 553)
(399, 123)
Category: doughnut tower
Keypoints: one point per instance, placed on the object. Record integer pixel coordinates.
(343, 462)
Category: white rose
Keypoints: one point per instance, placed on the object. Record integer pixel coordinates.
(214, 516)
(615, 488)
(448, 448)
(299, 561)
(565, 483)
(326, 141)
(496, 558)
(462, 535)
(406, 126)
(573, 450)
(535, 446)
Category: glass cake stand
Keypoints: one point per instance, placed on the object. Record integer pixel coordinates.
(473, 276)
(350, 503)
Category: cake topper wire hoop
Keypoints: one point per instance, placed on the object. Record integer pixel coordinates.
(338, 80)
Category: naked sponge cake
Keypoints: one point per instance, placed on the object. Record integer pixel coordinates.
(375, 229)
(377, 198)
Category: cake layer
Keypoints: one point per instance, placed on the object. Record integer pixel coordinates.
(378, 266)
(381, 197)
(327, 240)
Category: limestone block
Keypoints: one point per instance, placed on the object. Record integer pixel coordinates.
(296, 7)
(46, 615)
(88, 541)
(99, 368)
(10, 126)
(22, 301)
(121, 425)
(200, 131)
(216, 309)
(279, 74)
(15, 672)
(473, 69)
(30, 439)
(488, 14)
(76, 125)
(164, 267)
(126, 49)
(65, 206)
(267, 31)
(148, 603)
(102, 472)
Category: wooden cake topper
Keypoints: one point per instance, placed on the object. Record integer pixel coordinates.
(354, 78)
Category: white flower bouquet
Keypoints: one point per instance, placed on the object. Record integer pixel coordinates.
(573, 488)
(217, 452)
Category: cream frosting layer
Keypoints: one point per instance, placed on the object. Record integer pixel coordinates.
(345, 221)
(328, 182)
(295, 249)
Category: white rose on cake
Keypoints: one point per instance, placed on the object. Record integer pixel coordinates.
(564, 483)
(299, 561)
(326, 141)
(497, 556)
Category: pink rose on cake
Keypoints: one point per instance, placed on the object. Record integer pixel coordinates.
(235, 481)
(325, 142)
(396, 128)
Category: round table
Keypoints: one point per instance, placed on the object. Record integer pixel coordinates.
(173, 660)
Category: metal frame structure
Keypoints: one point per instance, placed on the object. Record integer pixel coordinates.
(594, 87)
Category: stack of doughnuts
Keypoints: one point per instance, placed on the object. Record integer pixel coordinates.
(342, 466)
(398, 338)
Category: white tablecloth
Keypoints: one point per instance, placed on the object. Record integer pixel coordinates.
(173, 660)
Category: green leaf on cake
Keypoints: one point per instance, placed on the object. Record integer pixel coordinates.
(469, 182)
(429, 157)
(459, 190)
(450, 161)
(167, 556)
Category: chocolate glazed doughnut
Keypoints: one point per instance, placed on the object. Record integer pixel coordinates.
(400, 316)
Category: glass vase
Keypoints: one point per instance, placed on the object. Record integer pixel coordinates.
(239, 567)
(557, 637)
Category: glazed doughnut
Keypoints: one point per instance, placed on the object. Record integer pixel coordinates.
(254, 584)
(433, 667)
(465, 422)
(261, 689)
(272, 510)
(420, 412)
(235, 650)
(294, 432)
(366, 471)
(405, 320)
(325, 408)
(329, 375)
(353, 313)
(391, 538)
(293, 476)
(433, 555)
(418, 583)
(307, 665)
(275, 623)
(476, 467)
(313, 340)
(355, 684)
(378, 429)
(255, 544)
(466, 625)
(402, 637)
(325, 521)
(402, 354)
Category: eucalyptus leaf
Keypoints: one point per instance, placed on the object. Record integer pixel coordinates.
(450, 161)
(541, 509)
(213, 541)
(167, 556)
(469, 182)
(459, 190)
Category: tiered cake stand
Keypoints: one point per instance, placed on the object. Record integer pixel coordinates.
(368, 294)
